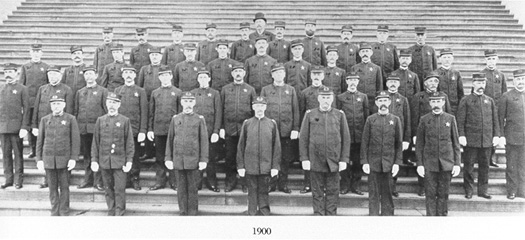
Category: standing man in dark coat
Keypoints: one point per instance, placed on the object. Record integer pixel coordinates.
(174, 53)
(207, 49)
(111, 77)
(139, 55)
(103, 55)
(334, 77)
(424, 59)
(297, 69)
(314, 50)
(409, 83)
(220, 69)
(185, 72)
(370, 75)
(385, 53)
(73, 76)
(348, 52)
(260, 28)
(243, 48)
(450, 81)
(258, 67)
(279, 49)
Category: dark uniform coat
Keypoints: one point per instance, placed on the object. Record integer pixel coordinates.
(208, 104)
(173, 54)
(241, 50)
(450, 82)
(355, 107)
(185, 75)
(134, 105)
(148, 78)
(221, 72)
(163, 105)
(111, 77)
(113, 144)
(408, 83)
(269, 35)
(33, 76)
(58, 141)
(279, 49)
(42, 107)
(424, 61)
(399, 107)
(335, 79)
(139, 55)
(187, 141)
(283, 107)
(382, 146)
(314, 51)
(258, 71)
(511, 110)
(298, 74)
(102, 57)
(477, 118)
(74, 77)
(370, 78)
(308, 99)
(90, 104)
(14, 108)
(496, 83)
(237, 106)
(385, 56)
(206, 51)
(348, 56)
(420, 107)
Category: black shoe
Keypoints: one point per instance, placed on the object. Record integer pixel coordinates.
(344, 191)
(83, 185)
(43, 185)
(357, 192)
(156, 187)
(395, 194)
(271, 189)
(493, 164)
(32, 155)
(99, 187)
(485, 195)
(421, 192)
(511, 196)
(3, 186)
(18, 186)
(174, 187)
(468, 195)
(136, 186)
(214, 188)
(228, 189)
(305, 190)
(285, 190)
(244, 189)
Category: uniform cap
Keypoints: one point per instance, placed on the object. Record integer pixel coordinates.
(177, 28)
(261, 38)
(222, 42)
(382, 28)
(190, 46)
(279, 24)
(89, 68)
(56, 98)
(75, 48)
(238, 65)
(10, 66)
(113, 96)
(393, 77)
(479, 77)
(53, 68)
(210, 25)
(519, 73)
(347, 28)
(244, 25)
(405, 53)
(317, 69)
(141, 30)
(491, 52)
(203, 70)
(432, 75)
(36, 46)
(325, 91)
(420, 30)
(382, 94)
(128, 67)
(445, 51)
(352, 75)
(436, 96)
(117, 46)
(188, 95)
(259, 100)
(164, 69)
(155, 50)
(331, 48)
(296, 42)
(107, 29)
(259, 15)
(277, 66)
(365, 45)
(310, 21)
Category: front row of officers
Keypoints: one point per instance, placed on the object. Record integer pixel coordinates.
(186, 128)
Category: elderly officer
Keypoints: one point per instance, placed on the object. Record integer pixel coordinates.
(260, 28)
(208, 104)
(174, 53)
(314, 51)
(236, 98)
(73, 75)
(111, 77)
(385, 53)
(355, 106)
(279, 49)
(258, 67)
(103, 55)
(334, 76)
(438, 154)
(478, 129)
(297, 70)
(259, 154)
(243, 48)
(33, 75)
(308, 97)
(220, 69)
(283, 107)
(347, 51)
(409, 83)
(511, 109)
(324, 148)
(185, 72)
(90, 104)
(134, 105)
(112, 152)
(370, 75)
(148, 77)
(424, 59)
(207, 50)
(14, 123)
(450, 81)
(163, 105)
(57, 149)
(187, 152)
(381, 154)
(139, 55)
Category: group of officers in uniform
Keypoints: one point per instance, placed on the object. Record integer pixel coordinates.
(261, 103)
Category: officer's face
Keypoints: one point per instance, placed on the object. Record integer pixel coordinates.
(259, 109)
(392, 85)
(211, 33)
(352, 83)
(10, 75)
(177, 36)
(297, 51)
(332, 56)
(383, 103)
(279, 32)
(112, 106)
(492, 61)
(479, 86)
(245, 33)
(260, 24)
(36, 54)
(54, 77)
(165, 79)
(190, 53)
(420, 38)
(261, 46)
(317, 78)
(278, 76)
(346, 36)
(325, 101)
(446, 59)
(155, 58)
(77, 56)
(405, 61)
(141, 37)
(187, 104)
(90, 76)
(117, 54)
(519, 83)
(437, 104)
(382, 36)
(57, 107)
(238, 74)
(222, 50)
(431, 84)
(108, 37)
(129, 77)
(309, 29)
(203, 79)
(365, 54)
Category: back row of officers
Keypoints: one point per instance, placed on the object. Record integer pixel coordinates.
(193, 105)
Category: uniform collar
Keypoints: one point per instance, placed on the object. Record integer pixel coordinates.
(59, 114)
(328, 110)
(92, 86)
(113, 115)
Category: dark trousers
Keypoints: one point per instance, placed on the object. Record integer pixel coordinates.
(160, 155)
(58, 178)
(351, 177)
(287, 157)
(12, 144)
(134, 173)
(437, 186)
(408, 155)
(258, 200)
(325, 192)
(231, 161)
(115, 184)
(149, 148)
(482, 156)
(30, 136)
(515, 173)
(90, 177)
(211, 167)
(380, 194)
(187, 193)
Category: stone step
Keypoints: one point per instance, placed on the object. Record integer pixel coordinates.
(74, 2)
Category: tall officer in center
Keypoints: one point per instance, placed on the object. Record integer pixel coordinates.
(385, 53)
(103, 55)
(174, 53)
(347, 51)
(279, 49)
(111, 76)
(334, 76)
(314, 50)
(207, 49)
(424, 59)
(73, 75)
(258, 67)
(450, 81)
(370, 75)
(185, 72)
(243, 48)
(297, 69)
(139, 55)
(220, 69)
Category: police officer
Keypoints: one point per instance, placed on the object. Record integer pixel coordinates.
(314, 50)
(450, 81)
(163, 105)
(260, 28)
(33, 75)
(297, 70)
(139, 55)
(438, 154)
(355, 106)
(308, 97)
(90, 104)
(112, 153)
(511, 109)
(334, 76)
(243, 48)
(187, 152)
(236, 98)
(220, 69)
(424, 59)
(279, 49)
(174, 53)
(134, 105)
(381, 154)
(208, 104)
(385, 53)
(324, 147)
(347, 51)
(73, 76)
(258, 67)
(148, 77)
(111, 77)
(57, 149)
(207, 50)
(409, 83)
(283, 107)
(259, 154)
(370, 75)
(185, 72)
(14, 123)
(103, 55)
(478, 129)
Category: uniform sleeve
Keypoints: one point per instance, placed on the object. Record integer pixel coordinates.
(420, 143)
(323, 55)
(417, 85)
(462, 116)
(75, 107)
(302, 104)
(132, 57)
(96, 142)
(75, 139)
(434, 60)
(366, 107)
(23, 78)
(151, 112)
(241, 146)
(130, 144)
(345, 139)
(364, 142)
(406, 124)
(169, 142)
(204, 141)
(40, 140)
(455, 142)
(104, 78)
(218, 114)
(64, 76)
(140, 80)
(503, 83)
(295, 111)
(95, 59)
(379, 79)
(247, 70)
(414, 113)
(176, 75)
(396, 58)
(448, 108)
(502, 111)
(398, 142)
(143, 112)
(304, 139)
(276, 147)
(495, 121)
(70, 100)
(25, 108)
(461, 91)
(233, 51)
(164, 60)
(309, 75)
(103, 100)
(34, 121)
(223, 97)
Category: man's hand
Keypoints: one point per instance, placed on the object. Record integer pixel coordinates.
(421, 171)
(222, 133)
(502, 141)
(202, 166)
(495, 141)
(405, 145)
(463, 141)
(214, 138)
(274, 172)
(455, 170)
(40, 166)
(141, 137)
(342, 166)
(395, 170)
(94, 166)
(306, 165)
(241, 172)
(414, 140)
(71, 164)
(127, 167)
(366, 168)
(294, 135)
(151, 136)
(22, 133)
(35, 132)
(169, 165)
